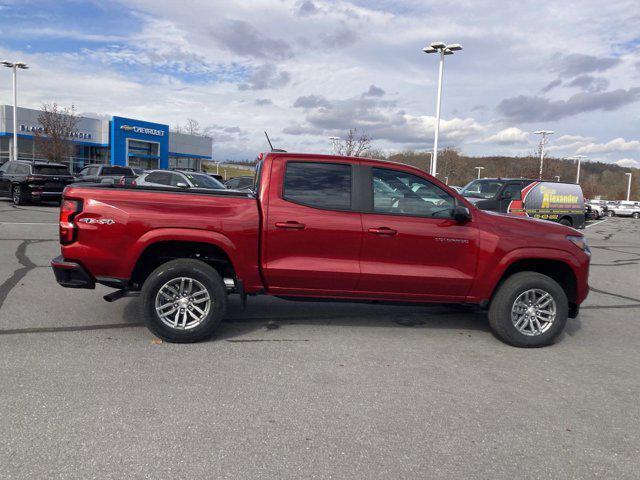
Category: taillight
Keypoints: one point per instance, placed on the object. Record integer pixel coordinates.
(68, 210)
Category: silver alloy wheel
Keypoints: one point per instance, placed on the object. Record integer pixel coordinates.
(533, 312)
(16, 194)
(183, 303)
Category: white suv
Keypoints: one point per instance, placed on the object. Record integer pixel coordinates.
(625, 209)
(174, 178)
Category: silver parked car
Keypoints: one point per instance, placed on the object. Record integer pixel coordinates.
(624, 209)
(178, 179)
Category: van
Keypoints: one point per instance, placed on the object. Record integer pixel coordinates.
(554, 201)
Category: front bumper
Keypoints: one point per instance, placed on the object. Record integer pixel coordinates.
(71, 274)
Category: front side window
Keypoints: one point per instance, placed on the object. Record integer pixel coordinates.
(321, 185)
(200, 180)
(513, 191)
(402, 193)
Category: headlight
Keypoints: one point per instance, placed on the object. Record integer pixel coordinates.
(579, 242)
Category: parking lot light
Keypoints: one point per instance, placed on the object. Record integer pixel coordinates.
(543, 141)
(443, 49)
(629, 185)
(15, 66)
(579, 159)
(479, 170)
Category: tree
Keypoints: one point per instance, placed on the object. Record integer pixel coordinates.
(354, 145)
(53, 139)
(192, 127)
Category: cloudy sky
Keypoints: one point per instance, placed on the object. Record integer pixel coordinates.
(305, 70)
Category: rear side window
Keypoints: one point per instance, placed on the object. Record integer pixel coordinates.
(51, 170)
(162, 178)
(322, 185)
(117, 171)
(22, 169)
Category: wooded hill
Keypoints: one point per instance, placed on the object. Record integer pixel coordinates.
(596, 178)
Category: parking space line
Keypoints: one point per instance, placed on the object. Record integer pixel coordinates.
(27, 223)
(597, 223)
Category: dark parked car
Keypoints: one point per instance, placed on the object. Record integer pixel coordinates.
(33, 181)
(240, 183)
(97, 173)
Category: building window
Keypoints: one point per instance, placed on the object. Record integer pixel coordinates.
(186, 163)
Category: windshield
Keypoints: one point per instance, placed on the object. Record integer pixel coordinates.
(482, 188)
(201, 180)
(51, 170)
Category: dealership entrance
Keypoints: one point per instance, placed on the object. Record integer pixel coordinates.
(143, 154)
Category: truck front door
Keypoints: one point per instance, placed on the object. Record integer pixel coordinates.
(312, 236)
(412, 247)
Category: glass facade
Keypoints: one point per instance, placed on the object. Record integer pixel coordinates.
(190, 163)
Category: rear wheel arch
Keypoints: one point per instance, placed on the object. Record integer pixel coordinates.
(160, 252)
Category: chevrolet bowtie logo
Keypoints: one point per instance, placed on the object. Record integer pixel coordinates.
(126, 127)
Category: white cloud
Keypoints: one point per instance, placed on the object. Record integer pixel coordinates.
(509, 136)
(628, 162)
(616, 145)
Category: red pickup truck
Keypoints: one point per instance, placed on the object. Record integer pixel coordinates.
(320, 227)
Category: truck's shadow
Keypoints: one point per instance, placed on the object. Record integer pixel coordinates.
(267, 313)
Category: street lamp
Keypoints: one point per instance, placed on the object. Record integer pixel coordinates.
(443, 49)
(15, 66)
(579, 159)
(628, 186)
(543, 141)
(557, 178)
(479, 169)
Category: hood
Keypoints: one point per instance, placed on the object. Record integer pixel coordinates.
(518, 224)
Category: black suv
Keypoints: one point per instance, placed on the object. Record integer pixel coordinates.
(25, 181)
(98, 173)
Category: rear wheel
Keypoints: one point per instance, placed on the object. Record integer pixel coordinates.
(636, 215)
(596, 214)
(183, 301)
(18, 196)
(529, 310)
(610, 213)
(566, 221)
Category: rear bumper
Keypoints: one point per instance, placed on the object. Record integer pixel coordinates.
(71, 274)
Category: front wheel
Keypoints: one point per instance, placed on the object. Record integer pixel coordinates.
(183, 301)
(529, 310)
(636, 215)
(610, 213)
(566, 222)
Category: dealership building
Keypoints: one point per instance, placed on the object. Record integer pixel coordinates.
(115, 141)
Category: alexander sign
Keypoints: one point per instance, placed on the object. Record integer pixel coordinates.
(39, 129)
(143, 130)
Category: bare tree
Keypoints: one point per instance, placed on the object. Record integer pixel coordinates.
(57, 125)
(354, 145)
(192, 127)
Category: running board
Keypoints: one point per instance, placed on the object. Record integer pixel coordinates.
(118, 294)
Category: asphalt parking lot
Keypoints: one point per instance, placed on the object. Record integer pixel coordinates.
(311, 390)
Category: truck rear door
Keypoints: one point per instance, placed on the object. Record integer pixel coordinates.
(312, 235)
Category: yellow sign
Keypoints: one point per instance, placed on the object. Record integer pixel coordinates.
(551, 197)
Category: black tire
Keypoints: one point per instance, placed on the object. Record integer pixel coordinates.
(504, 299)
(610, 213)
(636, 215)
(17, 195)
(199, 271)
(566, 221)
(596, 215)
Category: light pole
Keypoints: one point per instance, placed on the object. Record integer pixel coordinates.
(15, 66)
(479, 169)
(579, 159)
(628, 186)
(446, 180)
(443, 49)
(543, 141)
(557, 178)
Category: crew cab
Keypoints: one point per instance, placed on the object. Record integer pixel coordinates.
(105, 173)
(320, 227)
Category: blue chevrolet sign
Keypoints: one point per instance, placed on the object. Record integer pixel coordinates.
(138, 143)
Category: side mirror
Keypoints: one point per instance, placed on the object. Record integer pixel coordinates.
(182, 185)
(461, 214)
